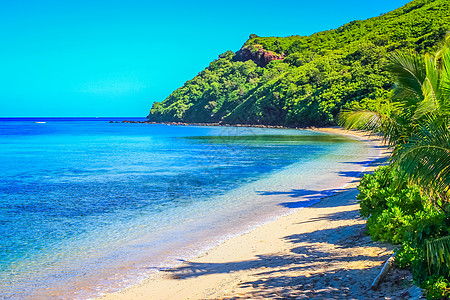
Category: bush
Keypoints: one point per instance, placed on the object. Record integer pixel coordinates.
(413, 253)
(437, 288)
(390, 204)
(397, 212)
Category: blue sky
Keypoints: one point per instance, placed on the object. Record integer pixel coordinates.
(114, 58)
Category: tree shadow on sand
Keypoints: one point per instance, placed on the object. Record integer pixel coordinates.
(275, 279)
(336, 216)
(351, 174)
(338, 284)
(309, 197)
(309, 249)
(306, 197)
(370, 162)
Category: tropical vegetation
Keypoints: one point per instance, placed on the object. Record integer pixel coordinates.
(307, 80)
(408, 202)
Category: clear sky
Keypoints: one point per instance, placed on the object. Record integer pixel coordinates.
(115, 58)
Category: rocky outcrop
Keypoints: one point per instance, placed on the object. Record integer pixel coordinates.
(259, 55)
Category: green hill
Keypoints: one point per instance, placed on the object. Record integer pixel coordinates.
(306, 80)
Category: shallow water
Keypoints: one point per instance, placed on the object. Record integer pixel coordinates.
(88, 206)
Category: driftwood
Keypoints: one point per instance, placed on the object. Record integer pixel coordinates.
(387, 265)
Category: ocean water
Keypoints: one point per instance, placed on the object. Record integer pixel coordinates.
(88, 206)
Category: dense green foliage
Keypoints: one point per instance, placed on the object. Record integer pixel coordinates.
(396, 212)
(391, 205)
(318, 76)
(409, 201)
(416, 121)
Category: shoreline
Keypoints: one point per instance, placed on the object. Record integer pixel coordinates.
(188, 280)
(223, 125)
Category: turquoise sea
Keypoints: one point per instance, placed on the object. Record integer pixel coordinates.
(88, 206)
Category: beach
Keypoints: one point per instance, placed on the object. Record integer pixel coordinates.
(319, 251)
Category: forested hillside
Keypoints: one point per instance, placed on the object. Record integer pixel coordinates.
(306, 80)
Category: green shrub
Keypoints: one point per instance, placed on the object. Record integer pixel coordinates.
(437, 288)
(389, 203)
(427, 226)
(407, 256)
(397, 212)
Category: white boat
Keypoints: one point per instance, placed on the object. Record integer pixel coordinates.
(40, 122)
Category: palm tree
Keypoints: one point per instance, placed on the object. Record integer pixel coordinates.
(415, 124)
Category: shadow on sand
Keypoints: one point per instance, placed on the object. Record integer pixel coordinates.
(300, 274)
(309, 197)
(310, 252)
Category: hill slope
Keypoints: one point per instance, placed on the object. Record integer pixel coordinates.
(306, 80)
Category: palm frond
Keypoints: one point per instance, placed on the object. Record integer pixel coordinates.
(429, 103)
(425, 156)
(444, 100)
(409, 73)
(361, 119)
(371, 121)
(430, 89)
(441, 52)
(428, 166)
(438, 253)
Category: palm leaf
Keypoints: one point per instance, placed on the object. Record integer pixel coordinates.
(438, 254)
(442, 52)
(371, 121)
(425, 156)
(409, 74)
(444, 100)
(430, 89)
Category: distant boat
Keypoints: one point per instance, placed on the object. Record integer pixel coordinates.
(40, 122)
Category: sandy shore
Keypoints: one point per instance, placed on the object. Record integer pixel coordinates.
(317, 252)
